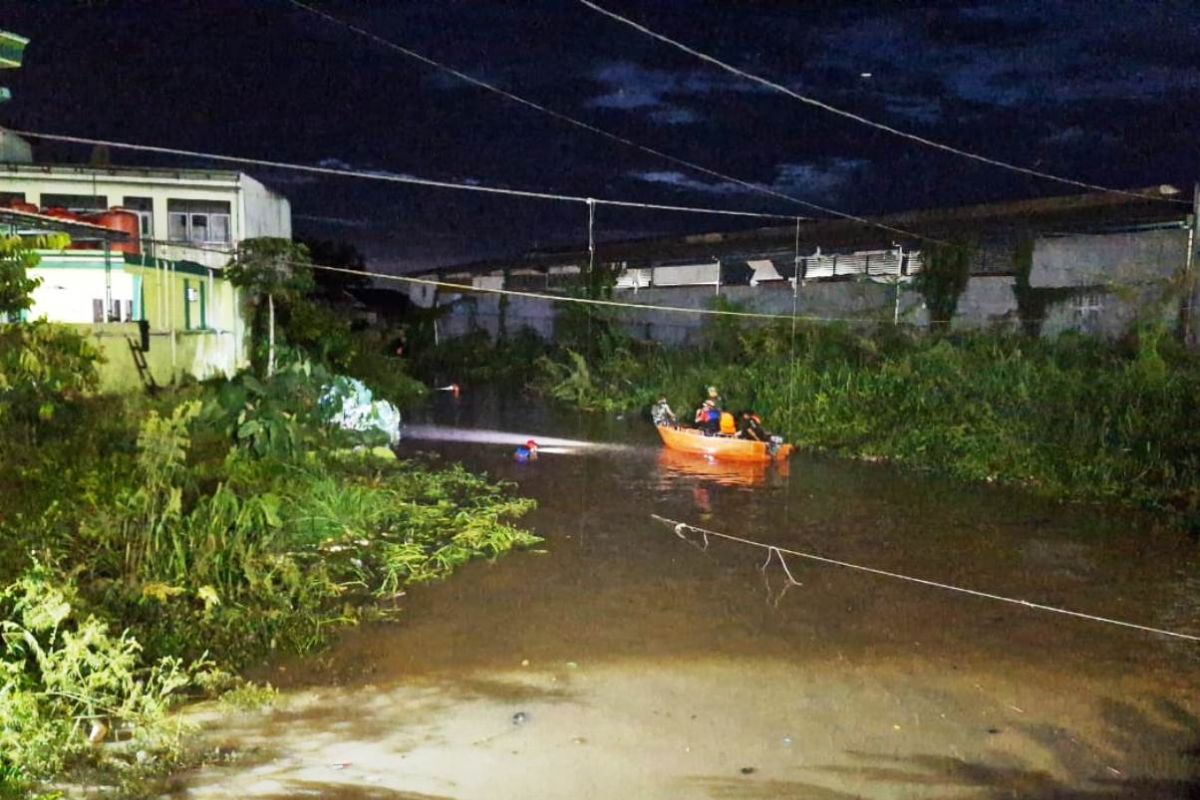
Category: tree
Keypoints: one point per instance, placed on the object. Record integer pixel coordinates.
(340, 254)
(942, 279)
(275, 269)
(16, 287)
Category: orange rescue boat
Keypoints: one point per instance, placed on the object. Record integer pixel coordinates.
(726, 448)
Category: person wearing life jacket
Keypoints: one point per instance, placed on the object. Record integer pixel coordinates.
(750, 427)
(708, 419)
(715, 398)
(527, 451)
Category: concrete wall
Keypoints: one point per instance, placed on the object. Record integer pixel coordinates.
(73, 280)
(1096, 284)
(1113, 258)
(14, 149)
(201, 354)
(987, 302)
(264, 212)
(197, 308)
(849, 300)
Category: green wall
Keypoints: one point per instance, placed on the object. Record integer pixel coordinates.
(119, 372)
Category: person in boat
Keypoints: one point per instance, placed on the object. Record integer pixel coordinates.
(708, 419)
(750, 427)
(662, 414)
(527, 451)
(714, 397)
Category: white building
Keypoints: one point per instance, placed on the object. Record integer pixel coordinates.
(186, 215)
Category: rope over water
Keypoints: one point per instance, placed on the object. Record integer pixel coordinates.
(681, 527)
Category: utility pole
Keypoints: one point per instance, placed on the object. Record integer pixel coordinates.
(1189, 281)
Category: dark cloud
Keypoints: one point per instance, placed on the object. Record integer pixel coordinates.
(982, 27)
(1105, 92)
(627, 86)
(825, 180)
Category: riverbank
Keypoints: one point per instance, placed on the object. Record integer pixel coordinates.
(1075, 418)
(152, 547)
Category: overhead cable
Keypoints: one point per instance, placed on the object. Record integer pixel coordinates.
(681, 528)
(553, 298)
(841, 112)
(394, 178)
(751, 185)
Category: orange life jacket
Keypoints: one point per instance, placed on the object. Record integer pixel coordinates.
(727, 423)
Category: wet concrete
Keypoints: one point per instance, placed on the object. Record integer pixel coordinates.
(646, 666)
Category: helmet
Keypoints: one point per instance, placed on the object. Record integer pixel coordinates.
(531, 443)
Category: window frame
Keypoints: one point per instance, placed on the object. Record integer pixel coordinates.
(190, 227)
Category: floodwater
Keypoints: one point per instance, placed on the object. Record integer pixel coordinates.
(626, 662)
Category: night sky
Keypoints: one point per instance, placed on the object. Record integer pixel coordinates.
(1107, 92)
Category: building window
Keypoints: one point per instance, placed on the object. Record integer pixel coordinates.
(194, 302)
(8, 198)
(202, 221)
(144, 208)
(75, 202)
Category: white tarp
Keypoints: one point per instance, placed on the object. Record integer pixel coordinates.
(689, 275)
(818, 266)
(488, 282)
(764, 270)
(863, 262)
(634, 278)
(350, 405)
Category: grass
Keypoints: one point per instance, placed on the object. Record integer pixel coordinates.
(1074, 418)
(146, 552)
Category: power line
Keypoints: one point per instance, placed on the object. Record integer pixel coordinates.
(555, 298)
(757, 187)
(775, 550)
(552, 298)
(393, 178)
(861, 119)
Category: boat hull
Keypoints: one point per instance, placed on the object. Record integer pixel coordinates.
(724, 448)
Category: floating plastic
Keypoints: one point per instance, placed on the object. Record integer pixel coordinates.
(351, 406)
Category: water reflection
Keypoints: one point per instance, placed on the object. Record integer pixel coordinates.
(674, 465)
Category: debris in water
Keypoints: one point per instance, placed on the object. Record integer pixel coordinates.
(572, 665)
(993, 731)
(524, 662)
(787, 741)
(748, 770)
(340, 764)
(520, 718)
(579, 740)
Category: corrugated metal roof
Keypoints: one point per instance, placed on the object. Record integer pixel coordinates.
(990, 222)
(29, 222)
